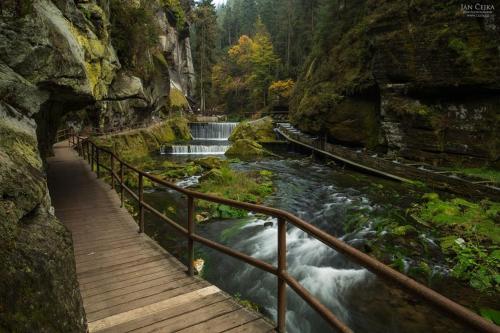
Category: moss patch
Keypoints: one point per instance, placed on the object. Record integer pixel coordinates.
(137, 144)
(250, 187)
(177, 99)
(261, 130)
(469, 236)
(247, 149)
(488, 174)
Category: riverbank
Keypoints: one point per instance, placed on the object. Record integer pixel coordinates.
(470, 183)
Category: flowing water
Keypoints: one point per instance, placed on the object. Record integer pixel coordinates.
(212, 131)
(327, 198)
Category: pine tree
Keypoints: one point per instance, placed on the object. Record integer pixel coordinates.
(205, 27)
(264, 62)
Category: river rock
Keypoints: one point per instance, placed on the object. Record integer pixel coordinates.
(211, 162)
(261, 130)
(245, 148)
(213, 175)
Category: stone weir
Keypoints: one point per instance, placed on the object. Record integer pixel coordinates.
(393, 168)
(207, 139)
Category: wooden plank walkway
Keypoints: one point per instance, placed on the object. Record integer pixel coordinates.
(129, 283)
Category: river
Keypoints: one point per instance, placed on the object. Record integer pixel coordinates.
(327, 197)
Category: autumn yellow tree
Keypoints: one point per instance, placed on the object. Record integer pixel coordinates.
(245, 74)
(281, 91)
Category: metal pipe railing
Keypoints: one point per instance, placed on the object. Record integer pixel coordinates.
(453, 309)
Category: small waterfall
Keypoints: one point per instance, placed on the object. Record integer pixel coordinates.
(212, 131)
(196, 149)
(208, 139)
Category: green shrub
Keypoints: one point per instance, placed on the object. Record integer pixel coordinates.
(470, 238)
(134, 33)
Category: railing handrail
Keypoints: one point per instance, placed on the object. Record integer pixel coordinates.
(87, 148)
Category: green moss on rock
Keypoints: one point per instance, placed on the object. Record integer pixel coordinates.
(246, 149)
(177, 99)
(250, 187)
(211, 162)
(137, 144)
(261, 130)
(38, 286)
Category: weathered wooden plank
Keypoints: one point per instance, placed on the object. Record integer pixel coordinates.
(114, 276)
(114, 257)
(223, 323)
(109, 245)
(150, 314)
(114, 264)
(121, 296)
(191, 319)
(95, 271)
(106, 312)
(85, 241)
(259, 325)
(90, 290)
(93, 255)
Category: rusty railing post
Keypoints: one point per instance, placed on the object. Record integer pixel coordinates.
(121, 183)
(84, 156)
(78, 147)
(97, 166)
(190, 248)
(141, 207)
(112, 172)
(92, 157)
(88, 151)
(281, 271)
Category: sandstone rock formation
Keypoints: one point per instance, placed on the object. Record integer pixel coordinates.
(57, 63)
(420, 79)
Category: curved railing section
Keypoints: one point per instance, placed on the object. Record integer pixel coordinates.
(94, 155)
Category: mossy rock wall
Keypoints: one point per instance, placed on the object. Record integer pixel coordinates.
(38, 287)
(139, 143)
(54, 59)
(396, 63)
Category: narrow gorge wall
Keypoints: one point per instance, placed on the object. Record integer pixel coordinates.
(136, 96)
(418, 78)
(57, 64)
(52, 61)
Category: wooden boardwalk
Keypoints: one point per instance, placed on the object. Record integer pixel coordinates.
(128, 283)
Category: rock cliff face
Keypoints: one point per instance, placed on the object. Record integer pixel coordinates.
(57, 63)
(136, 98)
(420, 79)
(52, 60)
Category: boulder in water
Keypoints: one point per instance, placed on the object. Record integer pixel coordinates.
(261, 130)
(211, 162)
(200, 218)
(214, 175)
(245, 148)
